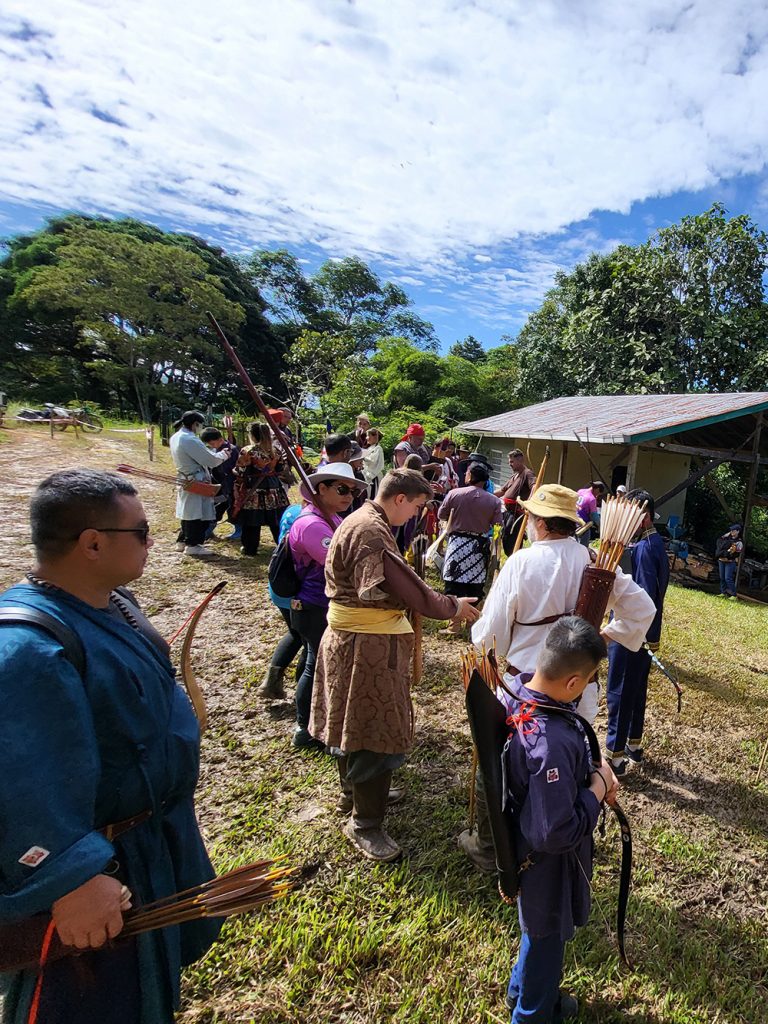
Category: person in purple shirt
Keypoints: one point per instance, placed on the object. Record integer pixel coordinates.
(555, 794)
(309, 539)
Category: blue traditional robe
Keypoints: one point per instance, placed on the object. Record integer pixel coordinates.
(80, 753)
(547, 770)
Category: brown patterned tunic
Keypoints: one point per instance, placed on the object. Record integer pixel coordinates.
(361, 698)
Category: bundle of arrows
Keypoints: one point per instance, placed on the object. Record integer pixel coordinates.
(620, 519)
(237, 892)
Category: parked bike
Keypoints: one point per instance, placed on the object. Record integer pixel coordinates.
(81, 417)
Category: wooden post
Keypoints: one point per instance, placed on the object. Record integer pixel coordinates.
(750, 492)
(632, 466)
(563, 462)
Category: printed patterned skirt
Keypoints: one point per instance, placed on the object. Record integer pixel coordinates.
(466, 558)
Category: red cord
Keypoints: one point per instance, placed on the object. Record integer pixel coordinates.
(44, 950)
(525, 714)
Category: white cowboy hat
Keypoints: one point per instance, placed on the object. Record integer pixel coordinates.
(341, 471)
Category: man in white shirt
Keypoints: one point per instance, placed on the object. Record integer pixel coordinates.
(537, 586)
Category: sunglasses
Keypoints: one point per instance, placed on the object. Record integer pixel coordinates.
(344, 489)
(141, 531)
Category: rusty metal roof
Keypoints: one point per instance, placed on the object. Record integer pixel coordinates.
(625, 419)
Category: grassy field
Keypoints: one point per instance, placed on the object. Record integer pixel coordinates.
(427, 940)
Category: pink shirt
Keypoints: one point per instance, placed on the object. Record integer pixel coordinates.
(309, 540)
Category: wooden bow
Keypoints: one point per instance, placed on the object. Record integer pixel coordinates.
(536, 486)
(187, 674)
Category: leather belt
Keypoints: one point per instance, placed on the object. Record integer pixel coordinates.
(117, 828)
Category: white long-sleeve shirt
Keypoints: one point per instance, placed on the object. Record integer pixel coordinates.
(543, 580)
(373, 463)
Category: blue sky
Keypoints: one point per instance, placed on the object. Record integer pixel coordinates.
(467, 150)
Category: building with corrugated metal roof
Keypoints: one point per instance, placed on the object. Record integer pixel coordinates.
(660, 442)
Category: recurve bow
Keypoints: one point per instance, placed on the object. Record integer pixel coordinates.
(187, 673)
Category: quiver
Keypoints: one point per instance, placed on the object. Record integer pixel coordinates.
(594, 594)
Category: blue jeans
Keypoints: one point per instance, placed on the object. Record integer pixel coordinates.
(309, 623)
(626, 696)
(728, 577)
(534, 987)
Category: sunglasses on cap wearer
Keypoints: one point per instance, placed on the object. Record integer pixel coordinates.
(342, 489)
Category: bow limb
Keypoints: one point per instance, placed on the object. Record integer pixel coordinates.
(665, 671)
(536, 486)
(187, 673)
(625, 879)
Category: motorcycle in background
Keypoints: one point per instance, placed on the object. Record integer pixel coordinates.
(82, 417)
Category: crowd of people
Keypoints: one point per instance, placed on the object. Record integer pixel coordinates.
(99, 770)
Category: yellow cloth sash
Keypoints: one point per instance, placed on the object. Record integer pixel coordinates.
(367, 620)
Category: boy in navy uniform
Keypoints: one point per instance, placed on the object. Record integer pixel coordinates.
(556, 794)
(627, 688)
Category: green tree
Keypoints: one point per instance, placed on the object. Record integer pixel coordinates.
(684, 311)
(139, 308)
(469, 349)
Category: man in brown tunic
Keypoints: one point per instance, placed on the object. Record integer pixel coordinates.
(361, 703)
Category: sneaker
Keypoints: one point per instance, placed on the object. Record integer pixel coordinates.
(721, 595)
(636, 755)
(197, 551)
(620, 768)
(303, 740)
(180, 545)
(236, 535)
(567, 1007)
(732, 597)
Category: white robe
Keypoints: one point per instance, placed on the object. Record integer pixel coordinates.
(543, 580)
(192, 460)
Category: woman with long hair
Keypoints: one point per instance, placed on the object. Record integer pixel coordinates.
(260, 497)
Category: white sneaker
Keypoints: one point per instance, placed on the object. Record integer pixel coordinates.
(180, 545)
(197, 551)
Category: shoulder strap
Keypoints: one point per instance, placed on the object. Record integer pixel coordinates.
(13, 615)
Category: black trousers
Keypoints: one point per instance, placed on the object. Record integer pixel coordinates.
(513, 524)
(192, 531)
(251, 524)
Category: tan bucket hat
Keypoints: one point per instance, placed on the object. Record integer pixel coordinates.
(553, 500)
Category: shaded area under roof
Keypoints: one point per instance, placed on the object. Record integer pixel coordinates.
(717, 421)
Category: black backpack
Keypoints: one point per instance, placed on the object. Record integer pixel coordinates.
(282, 575)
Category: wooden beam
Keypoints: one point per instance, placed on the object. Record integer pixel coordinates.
(563, 461)
(751, 490)
(735, 455)
(620, 457)
(632, 466)
(696, 475)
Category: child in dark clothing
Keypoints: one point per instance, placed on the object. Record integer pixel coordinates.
(556, 794)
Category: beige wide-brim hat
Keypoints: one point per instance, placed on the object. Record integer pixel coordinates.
(341, 471)
(553, 500)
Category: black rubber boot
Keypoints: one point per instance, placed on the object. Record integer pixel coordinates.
(364, 828)
(272, 684)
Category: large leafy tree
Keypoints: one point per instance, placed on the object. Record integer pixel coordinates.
(48, 346)
(344, 298)
(139, 308)
(684, 311)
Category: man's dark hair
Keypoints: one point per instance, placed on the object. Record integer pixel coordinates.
(572, 645)
(409, 482)
(598, 485)
(335, 444)
(516, 453)
(559, 524)
(67, 502)
(210, 434)
(638, 494)
(478, 473)
(191, 417)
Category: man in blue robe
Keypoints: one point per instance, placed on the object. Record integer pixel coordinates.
(117, 745)
(627, 687)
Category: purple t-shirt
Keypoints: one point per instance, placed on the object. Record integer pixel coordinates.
(309, 540)
(586, 503)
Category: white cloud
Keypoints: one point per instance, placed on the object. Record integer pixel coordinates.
(415, 132)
